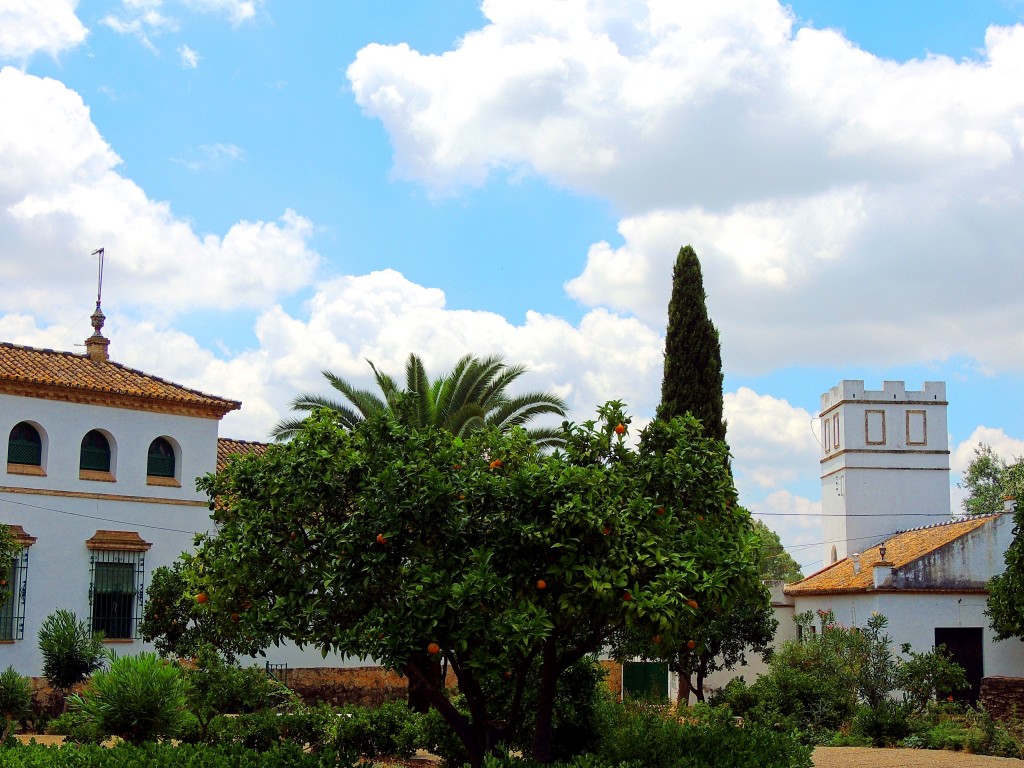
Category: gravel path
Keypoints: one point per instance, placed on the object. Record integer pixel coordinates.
(866, 757)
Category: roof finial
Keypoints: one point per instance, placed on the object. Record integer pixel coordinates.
(96, 345)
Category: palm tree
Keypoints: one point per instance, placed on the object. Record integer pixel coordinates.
(472, 396)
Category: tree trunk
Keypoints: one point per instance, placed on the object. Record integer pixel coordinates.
(460, 724)
(683, 691)
(543, 732)
(419, 696)
(699, 689)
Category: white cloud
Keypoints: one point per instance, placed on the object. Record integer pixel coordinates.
(837, 200)
(207, 156)
(28, 26)
(1009, 448)
(772, 441)
(189, 58)
(61, 197)
(146, 19)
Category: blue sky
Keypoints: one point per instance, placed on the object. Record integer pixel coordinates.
(286, 187)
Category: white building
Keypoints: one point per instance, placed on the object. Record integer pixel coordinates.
(884, 477)
(99, 488)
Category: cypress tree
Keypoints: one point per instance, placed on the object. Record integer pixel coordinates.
(692, 381)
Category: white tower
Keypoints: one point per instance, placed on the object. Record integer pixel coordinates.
(884, 462)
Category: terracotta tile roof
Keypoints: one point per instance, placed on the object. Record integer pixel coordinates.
(45, 373)
(900, 549)
(226, 448)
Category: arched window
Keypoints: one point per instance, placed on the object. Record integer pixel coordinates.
(161, 459)
(95, 455)
(25, 446)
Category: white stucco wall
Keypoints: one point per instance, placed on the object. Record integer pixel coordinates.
(63, 511)
(913, 617)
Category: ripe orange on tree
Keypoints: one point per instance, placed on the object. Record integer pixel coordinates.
(620, 429)
(541, 584)
(691, 644)
(202, 597)
(692, 603)
(433, 649)
(627, 596)
(382, 539)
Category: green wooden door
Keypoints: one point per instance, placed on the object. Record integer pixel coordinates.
(645, 680)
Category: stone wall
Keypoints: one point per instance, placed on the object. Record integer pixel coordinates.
(1003, 697)
(367, 686)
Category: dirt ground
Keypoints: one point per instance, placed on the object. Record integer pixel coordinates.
(865, 757)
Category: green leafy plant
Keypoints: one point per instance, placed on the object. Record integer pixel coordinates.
(215, 686)
(71, 651)
(15, 699)
(140, 698)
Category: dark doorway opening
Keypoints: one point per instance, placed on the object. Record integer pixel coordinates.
(965, 646)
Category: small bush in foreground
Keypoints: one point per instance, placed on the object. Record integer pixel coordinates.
(140, 698)
(15, 699)
(71, 651)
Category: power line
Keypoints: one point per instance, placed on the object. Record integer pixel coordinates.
(101, 519)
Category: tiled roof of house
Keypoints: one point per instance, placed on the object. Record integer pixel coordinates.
(52, 375)
(226, 448)
(900, 549)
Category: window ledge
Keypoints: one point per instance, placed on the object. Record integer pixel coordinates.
(26, 469)
(167, 482)
(93, 474)
(118, 640)
(8, 642)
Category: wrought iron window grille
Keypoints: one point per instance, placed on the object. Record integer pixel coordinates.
(116, 593)
(12, 611)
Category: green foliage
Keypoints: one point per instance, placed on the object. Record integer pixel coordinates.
(163, 755)
(15, 699)
(471, 397)
(71, 651)
(1006, 591)
(653, 737)
(215, 686)
(379, 540)
(692, 382)
(985, 481)
(8, 551)
(884, 724)
(77, 727)
(140, 698)
(923, 677)
(955, 728)
(391, 729)
(177, 626)
(773, 561)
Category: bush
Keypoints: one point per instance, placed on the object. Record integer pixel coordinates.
(76, 727)
(15, 699)
(71, 651)
(653, 737)
(392, 729)
(214, 686)
(885, 724)
(140, 698)
(163, 755)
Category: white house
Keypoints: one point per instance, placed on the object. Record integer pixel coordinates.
(884, 478)
(98, 486)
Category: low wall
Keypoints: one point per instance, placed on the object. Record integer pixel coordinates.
(367, 686)
(1003, 697)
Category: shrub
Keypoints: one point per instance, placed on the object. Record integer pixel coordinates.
(140, 698)
(75, 726)
(392, 729)
(163, 755)
(654, 738)
(884, 725)
(15, 699)
(71, 651)
(214, 686)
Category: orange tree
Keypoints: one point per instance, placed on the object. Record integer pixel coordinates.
(386, 540)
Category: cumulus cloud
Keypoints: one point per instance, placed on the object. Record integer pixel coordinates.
(1011, 449)
(61, 196)
(838, 200)
(50, 26)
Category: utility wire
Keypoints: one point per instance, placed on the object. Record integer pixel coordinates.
(101, 519)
